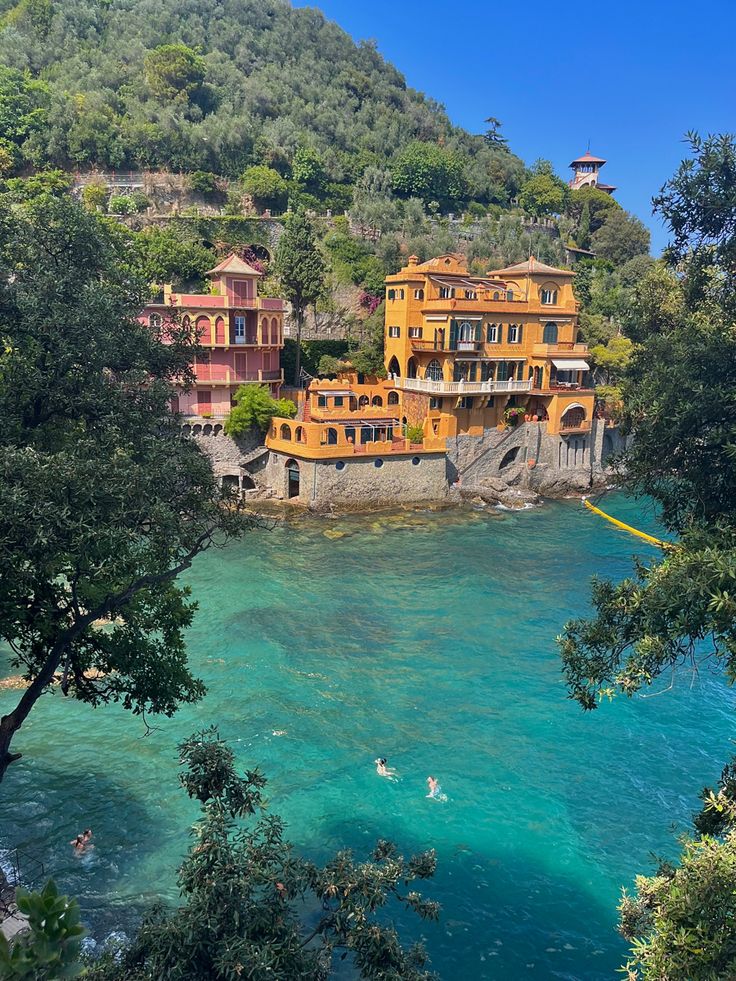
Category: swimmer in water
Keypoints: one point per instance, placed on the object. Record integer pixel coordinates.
(382, 770)
(79, 844)
(434, 787)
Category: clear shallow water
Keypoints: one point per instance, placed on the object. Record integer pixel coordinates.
(428, 639)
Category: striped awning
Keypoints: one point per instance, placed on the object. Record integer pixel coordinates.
(570, 364)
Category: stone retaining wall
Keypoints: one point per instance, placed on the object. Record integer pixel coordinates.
(400, 479)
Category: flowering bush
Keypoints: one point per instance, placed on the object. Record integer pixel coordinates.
(369, 301)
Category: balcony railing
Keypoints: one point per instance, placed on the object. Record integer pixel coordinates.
(435, 345)
(561, 347)
(461, 387)
(271, 376)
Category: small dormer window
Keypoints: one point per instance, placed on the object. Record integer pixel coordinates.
(418, 294)
(549, 296)
(470, 295)
(447, 292)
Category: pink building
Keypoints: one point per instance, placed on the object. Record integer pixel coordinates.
(242, 332)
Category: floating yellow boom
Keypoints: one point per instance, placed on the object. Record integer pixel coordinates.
(621, 524)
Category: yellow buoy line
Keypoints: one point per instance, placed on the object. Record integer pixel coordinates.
(621, 524)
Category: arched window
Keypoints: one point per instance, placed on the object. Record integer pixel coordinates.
(363, 401)
(549, 335)
(331, 436)
(496, 296)
(219, 331)
(393, 398)
(434, 370)
(393, 367)
(411, 368)
(274, 330)
(155, 321)
(548, 296)
(285, 431)
(377, 400)
(509, 295)
(299, 434)
(573, 416)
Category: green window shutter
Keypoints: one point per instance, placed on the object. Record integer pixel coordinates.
(521, 332)
(477, 331)
(453, 335)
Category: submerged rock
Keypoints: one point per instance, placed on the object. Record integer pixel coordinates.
(491, 490)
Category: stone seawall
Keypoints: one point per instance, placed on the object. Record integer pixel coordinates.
(360, 483)
(526, 459)
(527, 456)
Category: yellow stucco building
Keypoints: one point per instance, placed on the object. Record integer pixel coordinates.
(467, 352)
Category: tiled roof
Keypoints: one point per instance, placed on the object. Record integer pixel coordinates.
(587, 157)
(235, 265)
(530, 266)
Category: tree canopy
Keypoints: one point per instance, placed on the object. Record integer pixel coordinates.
(251, 906)
(678, 609)
(102, 503)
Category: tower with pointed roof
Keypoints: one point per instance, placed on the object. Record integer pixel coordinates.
(586, 173)
(241, 332)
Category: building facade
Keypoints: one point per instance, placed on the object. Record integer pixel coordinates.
(471, 353)
(350, 448)
(242, 333)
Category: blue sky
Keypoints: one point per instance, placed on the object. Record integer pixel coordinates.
(631, 77)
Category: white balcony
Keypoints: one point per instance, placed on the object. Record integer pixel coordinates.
(431, 387)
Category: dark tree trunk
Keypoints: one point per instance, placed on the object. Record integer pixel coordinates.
(11, 723)
(298, 363)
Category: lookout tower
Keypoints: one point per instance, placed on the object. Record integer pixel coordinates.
(586, 173)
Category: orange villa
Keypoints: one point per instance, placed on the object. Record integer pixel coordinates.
(466, 349)
(470, 359)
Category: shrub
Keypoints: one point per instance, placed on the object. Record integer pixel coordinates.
(95, 196)
(202, 182)
(415, 434)
(128, 204)
(254, 408)
(266, 187)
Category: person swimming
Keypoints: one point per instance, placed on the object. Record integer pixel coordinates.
(82, 842)
(434, 788)
(382, 770)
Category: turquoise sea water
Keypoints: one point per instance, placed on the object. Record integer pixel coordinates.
(427, 638)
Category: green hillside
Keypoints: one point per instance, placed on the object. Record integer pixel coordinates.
(221, 86)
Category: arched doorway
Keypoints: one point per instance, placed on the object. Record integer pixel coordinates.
(550, 334)
(231, 483)
(393, 367)
(434, 370)
(292, 479)
(411, 368)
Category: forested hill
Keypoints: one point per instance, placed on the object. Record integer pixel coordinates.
(220, 86)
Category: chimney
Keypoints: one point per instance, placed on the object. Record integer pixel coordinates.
(413, 260)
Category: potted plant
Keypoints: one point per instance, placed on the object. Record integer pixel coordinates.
(513, 414)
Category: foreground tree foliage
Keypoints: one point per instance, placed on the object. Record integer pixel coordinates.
(254, 908)
(102, 504)
(678, 611)
(51, 948)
